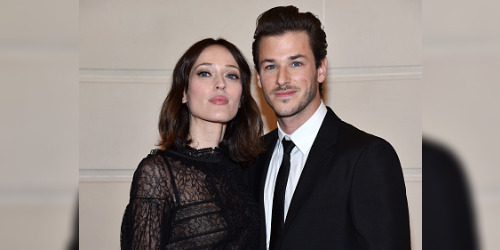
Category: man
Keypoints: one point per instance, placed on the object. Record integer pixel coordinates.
(344, 188)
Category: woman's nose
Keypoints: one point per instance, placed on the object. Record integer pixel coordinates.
(219, 83)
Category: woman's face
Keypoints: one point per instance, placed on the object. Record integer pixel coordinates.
(214, 90)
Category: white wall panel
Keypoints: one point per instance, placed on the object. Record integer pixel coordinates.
(37, 223)
(118, 123)
(102, 204)
(414, 196)
(154, 34)
(373, 33)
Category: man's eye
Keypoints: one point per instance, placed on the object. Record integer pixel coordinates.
(268, 67)
(203, 74)
(296, 64)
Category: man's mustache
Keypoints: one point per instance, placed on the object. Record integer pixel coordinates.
(282, 88)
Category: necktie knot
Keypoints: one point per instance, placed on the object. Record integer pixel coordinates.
(287, 146)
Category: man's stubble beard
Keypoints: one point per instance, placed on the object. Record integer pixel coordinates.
(303, 103)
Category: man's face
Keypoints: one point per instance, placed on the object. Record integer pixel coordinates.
(288, 75)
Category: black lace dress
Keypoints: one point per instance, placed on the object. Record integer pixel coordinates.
(189, 199)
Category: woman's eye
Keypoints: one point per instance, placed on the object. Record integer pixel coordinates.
(203, 74)
(296, 64)
(233, 77)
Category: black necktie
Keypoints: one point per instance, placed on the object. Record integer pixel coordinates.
(278, 220)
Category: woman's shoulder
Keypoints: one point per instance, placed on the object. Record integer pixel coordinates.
(150, 177)
(152, 163)
(158, 164)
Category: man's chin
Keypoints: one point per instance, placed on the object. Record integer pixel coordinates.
(285, 112)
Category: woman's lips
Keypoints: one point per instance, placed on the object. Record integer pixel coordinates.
(219, 100)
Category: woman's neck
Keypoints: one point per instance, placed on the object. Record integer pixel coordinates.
(206, 134)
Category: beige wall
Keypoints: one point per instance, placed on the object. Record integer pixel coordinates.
(128, 50)
(460, 99)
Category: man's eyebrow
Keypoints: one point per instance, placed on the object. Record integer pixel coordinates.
(289, 58)
(295, 56)
(267, 60)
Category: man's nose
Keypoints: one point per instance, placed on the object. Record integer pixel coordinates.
(283, 76)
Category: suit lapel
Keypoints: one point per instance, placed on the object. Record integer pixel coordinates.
(316, 163)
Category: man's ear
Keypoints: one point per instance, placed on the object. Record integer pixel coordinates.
(258, 81)
(322, 70)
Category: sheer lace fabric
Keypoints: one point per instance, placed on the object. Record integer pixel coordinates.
(189, 199)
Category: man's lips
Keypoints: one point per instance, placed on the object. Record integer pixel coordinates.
(284, 93)
(219, 100)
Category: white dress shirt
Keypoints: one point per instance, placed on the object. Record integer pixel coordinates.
(303, 138)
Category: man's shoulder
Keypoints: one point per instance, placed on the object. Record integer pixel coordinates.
(353, 138)
(350, 135)
(346, 132)
(349, 131)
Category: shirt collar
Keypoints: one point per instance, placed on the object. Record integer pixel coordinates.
(304, 136)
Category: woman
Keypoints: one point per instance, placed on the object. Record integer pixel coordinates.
(187, 195)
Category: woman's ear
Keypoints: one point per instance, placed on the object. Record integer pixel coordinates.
(184, 99)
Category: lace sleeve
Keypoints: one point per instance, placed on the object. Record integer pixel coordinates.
(144, 219)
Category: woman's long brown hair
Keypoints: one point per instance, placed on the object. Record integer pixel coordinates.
(242, 138)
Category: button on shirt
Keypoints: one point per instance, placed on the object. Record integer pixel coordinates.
(303, 138)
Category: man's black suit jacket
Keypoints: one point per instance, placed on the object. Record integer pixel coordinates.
(350, 195)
